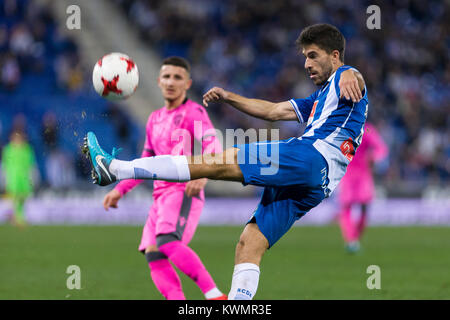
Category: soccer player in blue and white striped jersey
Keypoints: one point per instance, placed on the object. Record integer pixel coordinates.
(299, 172)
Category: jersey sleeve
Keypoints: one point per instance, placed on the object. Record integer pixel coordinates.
(303, 107)
(203, 130)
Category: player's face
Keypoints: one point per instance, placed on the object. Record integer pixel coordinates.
(173, 81)
(318, 64)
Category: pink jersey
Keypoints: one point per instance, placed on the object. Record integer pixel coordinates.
(185, 130)
(357, 184)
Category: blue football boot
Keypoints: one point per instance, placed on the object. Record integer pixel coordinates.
(99, 159)
(353, 247)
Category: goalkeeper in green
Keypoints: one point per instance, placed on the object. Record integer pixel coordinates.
(18, 163)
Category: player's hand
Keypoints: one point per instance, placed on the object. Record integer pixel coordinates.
(194, 187)
(111, 199)
(215, 94)
(348, 84)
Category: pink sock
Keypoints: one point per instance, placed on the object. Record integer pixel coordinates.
(185, 259)
(347, 226)
(166, 279)
(361, 225)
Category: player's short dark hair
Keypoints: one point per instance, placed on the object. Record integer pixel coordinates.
(177, 61)
(325, 36)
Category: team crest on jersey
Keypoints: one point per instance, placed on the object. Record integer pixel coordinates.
(348, 149)
(177, 119)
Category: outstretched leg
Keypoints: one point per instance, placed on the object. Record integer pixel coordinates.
(222, 166)
(106, 169)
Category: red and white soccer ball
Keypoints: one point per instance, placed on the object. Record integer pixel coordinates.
(115, 76)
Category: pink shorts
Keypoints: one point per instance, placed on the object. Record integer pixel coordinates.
(354, 189)
(172, 213)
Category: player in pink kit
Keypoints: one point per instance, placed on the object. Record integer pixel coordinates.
(179, 128)
(357, 186)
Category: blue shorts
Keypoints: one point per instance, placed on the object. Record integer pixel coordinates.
(295, 177)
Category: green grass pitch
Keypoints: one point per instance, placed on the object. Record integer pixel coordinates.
(307, 263)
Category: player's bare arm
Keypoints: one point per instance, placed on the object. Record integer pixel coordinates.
(351, 86)
(263, 109)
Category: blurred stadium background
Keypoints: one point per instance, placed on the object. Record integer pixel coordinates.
(46, 89)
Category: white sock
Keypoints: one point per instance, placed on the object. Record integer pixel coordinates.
(245, 281)
(213, 293)
(169, 168)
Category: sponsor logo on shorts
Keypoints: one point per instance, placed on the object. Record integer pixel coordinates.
(348, 149)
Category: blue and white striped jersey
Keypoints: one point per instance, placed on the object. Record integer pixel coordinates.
(334, 126)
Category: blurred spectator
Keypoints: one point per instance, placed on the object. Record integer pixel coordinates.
(68, 72)
(122, 125)
(59, 165)
(21, 40)
(49, 131)
(3, 38)
(19, 123)
(10, 72)
(60, 170)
